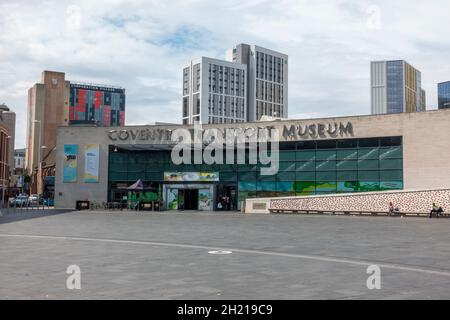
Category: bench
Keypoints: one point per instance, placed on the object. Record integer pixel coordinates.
(353, 213)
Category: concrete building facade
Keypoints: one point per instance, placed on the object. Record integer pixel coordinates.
(317, 157)
(214, 91)
(267, 87)
(55, 102)
(396, 87)
(8, 119)
(4, 160)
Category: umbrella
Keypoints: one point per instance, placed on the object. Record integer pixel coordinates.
(137, 186)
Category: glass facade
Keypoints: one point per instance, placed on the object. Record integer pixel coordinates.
(444, 95)
(305, 168)
(395, 87)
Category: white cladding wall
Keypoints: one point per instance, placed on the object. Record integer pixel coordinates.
(378, 87)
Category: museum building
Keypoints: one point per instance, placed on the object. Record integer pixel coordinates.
(405, 151)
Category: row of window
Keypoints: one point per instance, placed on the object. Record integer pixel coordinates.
(269, 67)
(302, 188)
(116, 175)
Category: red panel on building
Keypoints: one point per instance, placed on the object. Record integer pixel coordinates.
(106, 116)
(122, 118)
(98, 99)
(81, 100)
(71, 113)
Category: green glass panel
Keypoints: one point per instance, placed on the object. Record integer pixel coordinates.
(287, 155)
(286, 176)
(326, 176)
(305, 176)
(305, 187)
(305, 155)
(368, 164)
(347, 154)
(247, 176)
(347, 176)
(228, 176)
(135, 176)
(153, 176)
(367, 186)
(368, 153)
(391, 153)
(306, 166)
(390, 175)
(285, 186)
(326, 155)
(326, 187)
(391, 185)
(391, 164)
(154, 167)
(261, 177)
(325, 165)
(118, 176)
(287, 166)
(246, 186)
(136, 167)
(347, 165)
(266, 186)
(368, 175)
(347, 186)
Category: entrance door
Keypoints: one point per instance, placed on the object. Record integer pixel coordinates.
(190, 199)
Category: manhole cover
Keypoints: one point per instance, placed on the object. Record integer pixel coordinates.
(220, 252)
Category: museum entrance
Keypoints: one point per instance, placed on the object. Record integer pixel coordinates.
(188, 199)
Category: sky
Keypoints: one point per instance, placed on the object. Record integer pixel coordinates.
(142, 45)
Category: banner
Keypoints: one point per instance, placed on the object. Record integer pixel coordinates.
(172, 199)
(191, 176)
(91, 158)
(204, 200)
(70, 163)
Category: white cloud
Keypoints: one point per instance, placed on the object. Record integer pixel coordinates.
(142, 46)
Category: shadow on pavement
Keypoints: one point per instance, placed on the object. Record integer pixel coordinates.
(14, 215)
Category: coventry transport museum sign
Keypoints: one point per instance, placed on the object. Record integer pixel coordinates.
(286, 132)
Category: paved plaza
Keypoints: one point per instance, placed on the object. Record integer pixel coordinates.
(167, 256)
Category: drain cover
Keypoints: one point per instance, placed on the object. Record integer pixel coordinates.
(220, 252)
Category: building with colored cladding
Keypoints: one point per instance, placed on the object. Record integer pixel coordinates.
(103, 105)
(396, 87)
(54, 102)
(444, 95)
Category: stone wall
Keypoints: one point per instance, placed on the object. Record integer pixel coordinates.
(406, 201)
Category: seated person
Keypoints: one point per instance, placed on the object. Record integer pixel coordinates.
(436, 209)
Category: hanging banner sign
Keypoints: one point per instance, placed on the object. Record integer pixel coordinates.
(92, 161)
(70, 164)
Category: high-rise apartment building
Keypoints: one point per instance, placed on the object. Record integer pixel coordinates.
(267, 86)
(214, 91)
(444, 95)
(56, 102)
(396, 87)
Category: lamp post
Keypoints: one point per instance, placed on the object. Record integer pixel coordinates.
(39, 169)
